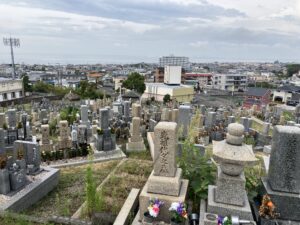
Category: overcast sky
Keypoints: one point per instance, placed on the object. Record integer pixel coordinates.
(105, 31)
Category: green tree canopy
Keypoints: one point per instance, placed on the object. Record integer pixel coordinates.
(26, 83)
(166, 98)
(135, 81)
(292, 69)
(88, 90)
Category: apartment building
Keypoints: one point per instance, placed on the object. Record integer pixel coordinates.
(230, 82)
(11, 89)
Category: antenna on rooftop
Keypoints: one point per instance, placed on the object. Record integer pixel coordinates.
(12, 42)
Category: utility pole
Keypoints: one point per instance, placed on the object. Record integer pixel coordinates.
(12, 42)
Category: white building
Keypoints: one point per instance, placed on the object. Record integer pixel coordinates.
(230, 82)
(172, 86)
(174, 61)
(11, 89)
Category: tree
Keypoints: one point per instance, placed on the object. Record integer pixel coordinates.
(292, 69)
(135, 81)
(26, 83)
(166, 98)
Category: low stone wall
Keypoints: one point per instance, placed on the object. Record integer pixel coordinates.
(130, 206)
(33, 192)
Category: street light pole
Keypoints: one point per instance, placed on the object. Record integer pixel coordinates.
(12, 42)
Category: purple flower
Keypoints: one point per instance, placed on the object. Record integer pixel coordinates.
(220, 220)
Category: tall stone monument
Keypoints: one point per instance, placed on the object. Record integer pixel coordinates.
(64, 139)
(135, 142)
(283, 181)
(46, 144)
(165, 182)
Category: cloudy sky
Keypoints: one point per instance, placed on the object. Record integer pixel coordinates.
(112, 31)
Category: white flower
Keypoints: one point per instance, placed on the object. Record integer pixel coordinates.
(174, 206)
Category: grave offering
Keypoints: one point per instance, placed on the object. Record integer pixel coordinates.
(229, 197)
(165, 182)
(283, 181)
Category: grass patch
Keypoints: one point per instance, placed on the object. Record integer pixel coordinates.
(132, 174)
(69, 194)
(140, 155)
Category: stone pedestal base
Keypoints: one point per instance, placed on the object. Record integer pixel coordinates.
(243, 212)
(165, 185)
(135, 146)
(168, 200)
(287, 204)
(230, 189)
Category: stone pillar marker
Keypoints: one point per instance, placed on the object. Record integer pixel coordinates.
(45, 133)
(165, 114)
(11, 118)
(164, 155)
(184, 118)
(136, 110)
(229, 197)
(210, 119)
(84, 114)
(283, 181)
(165, 181)
(135, 142)
(64, 139)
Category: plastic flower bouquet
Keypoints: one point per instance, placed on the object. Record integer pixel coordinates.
(178, 212)
(154, 207)
(224, 220)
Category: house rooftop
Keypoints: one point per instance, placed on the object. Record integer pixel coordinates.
(257, 91)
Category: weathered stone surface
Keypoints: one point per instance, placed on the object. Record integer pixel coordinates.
(135, 130)
(230, 189)
(165, 185)
(184, 118)
(84, 113)
(2, 119)
(210, 119)
(104, 119)
(4, 181)
(11, 118)
(135, 146)
(175, 113)
(165, 148)
(165, 115)
(45, 134)
(136, 110)
(284, 171)
(266, 128)
(243, 212)
(32, 193)
(287, 204)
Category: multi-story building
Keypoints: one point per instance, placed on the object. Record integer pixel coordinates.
(171, 86)
(230, 82)
(175, 61)
(11, 89)
(204, 79)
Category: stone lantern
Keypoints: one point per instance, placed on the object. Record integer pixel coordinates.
(229, 196)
